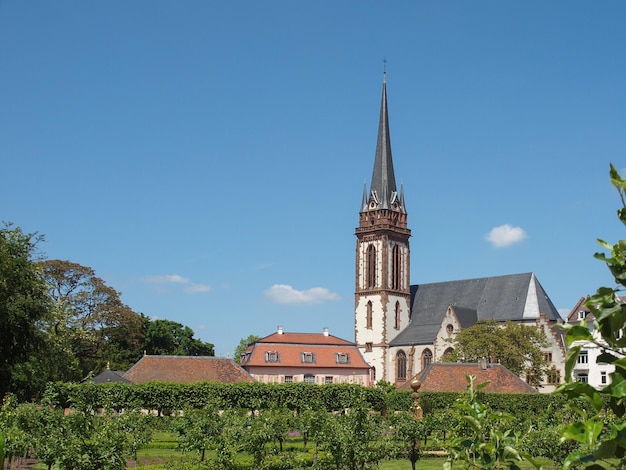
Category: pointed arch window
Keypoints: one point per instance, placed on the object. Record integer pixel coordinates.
(398, 312)
(371, 267)
(368, 316)
(396, 270)
(401, 366)
(427, 358)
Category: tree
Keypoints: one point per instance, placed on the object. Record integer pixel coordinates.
(488, 441)
(93, 318)
(24, 303)
(243, 345)
(516, 346)
(169, 337)
(601, 432)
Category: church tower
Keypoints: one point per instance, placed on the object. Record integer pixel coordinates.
(383, 292)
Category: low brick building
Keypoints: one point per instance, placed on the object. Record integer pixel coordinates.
(452, 377)
(186, 369)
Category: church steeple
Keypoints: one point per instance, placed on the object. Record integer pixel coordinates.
(383, 193)
(383, 291)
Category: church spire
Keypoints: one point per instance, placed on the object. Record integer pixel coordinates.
(383, 192)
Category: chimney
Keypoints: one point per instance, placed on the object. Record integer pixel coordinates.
(325, 331)
(483, 363)
(280, 329)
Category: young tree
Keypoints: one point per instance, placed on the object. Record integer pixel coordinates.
(488, 442)
(515, 346)
(23, 304)
(601, 438)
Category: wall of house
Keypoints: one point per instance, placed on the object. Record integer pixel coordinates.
(339, 376)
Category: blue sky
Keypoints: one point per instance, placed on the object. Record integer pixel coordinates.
(207, 158)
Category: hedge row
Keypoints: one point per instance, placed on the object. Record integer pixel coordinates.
(166, 397)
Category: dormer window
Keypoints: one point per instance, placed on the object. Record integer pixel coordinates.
(308, 358)
(342, 358)
(272, 356)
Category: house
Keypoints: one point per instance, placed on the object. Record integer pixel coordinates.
(401, 328)
(317, 358)
(587, 368)
(186, 369)
(452, 377)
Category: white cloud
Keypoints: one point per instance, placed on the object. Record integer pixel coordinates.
(166, 279)
(505, 235)
(284, 294)
(198, 288)
(189, 287)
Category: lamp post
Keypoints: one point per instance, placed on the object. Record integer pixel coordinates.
(416, 409)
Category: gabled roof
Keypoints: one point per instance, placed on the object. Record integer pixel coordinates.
(186, 369)
(515, 297)
(452, 377)
(573, 316)
(108, 375)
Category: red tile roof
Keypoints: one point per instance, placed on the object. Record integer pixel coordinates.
(186, 369)
(451, 377)
(304, 338)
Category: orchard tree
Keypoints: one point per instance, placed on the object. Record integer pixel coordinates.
(24, 303)
(516, 346)
(169, 337)
(243, 345)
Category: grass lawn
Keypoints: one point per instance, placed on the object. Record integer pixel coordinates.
(164, 448)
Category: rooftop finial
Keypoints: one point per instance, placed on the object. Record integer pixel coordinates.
(385, 70)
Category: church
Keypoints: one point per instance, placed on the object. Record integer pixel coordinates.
(401, 328)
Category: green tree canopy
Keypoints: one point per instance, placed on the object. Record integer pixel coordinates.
(101, 327)
(514, 345)
(170, 337)
(243, 345)
(24, 303)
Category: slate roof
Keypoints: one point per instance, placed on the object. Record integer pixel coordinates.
(451, 377)
(186, 369)
(108, 375)
(515, 297)
(383, 178)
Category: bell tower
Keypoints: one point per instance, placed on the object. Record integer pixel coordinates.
(383, 291)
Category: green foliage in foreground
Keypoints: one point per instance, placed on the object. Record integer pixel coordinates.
(601, 437)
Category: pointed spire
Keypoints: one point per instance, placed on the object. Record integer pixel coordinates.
(383, 188)
(364, 203)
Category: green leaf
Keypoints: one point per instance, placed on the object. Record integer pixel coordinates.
(577, 333)
(570, 361)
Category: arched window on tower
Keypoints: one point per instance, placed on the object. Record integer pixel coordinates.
(427, 358)
(368, 316)
(398, 311)
(371, 267)
(400, 366)
(396, 270)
